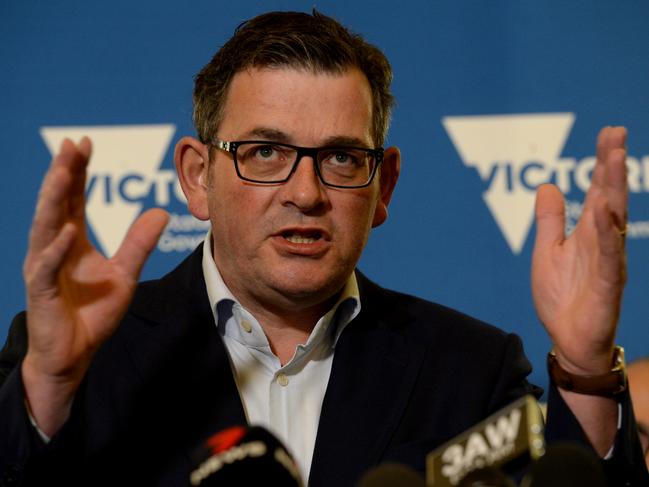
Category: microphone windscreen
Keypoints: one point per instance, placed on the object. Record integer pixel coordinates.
(244, 456)
(391, 475)
(566, 465)
(486, 477)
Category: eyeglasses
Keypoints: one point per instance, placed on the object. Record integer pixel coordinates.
(267, 162)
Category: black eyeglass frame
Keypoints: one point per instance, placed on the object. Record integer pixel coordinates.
(231, 147)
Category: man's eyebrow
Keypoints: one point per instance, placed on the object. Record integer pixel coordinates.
(345, 141)
(274, 135)
(265, 133)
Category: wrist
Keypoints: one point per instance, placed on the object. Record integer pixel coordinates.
(607, 383)
(589, 360)
(48, 399)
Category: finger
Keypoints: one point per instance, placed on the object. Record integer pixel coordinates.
(609, 139)
(601, 149)
(51, 208)
(61, 193)
(610, 244)
(71, 156)
(42, 271)
(74, 160)
(77, 201)
(140, 241)
(550, 216)
(616, 186)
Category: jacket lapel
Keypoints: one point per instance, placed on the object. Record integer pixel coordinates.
(374, 370)
(179, 345)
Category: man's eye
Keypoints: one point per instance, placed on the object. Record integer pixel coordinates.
(264, 152)
(343, 158)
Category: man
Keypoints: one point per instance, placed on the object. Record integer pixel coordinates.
(639, 388)
(291, 114)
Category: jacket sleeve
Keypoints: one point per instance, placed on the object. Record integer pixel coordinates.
(15, 347)
(626, 466)
(19, 440)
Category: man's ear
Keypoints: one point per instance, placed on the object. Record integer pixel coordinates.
(192, 159)
(388, 176)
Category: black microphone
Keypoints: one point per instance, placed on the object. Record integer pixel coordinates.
(486, 477)
(391, 475)
(566, 465)
(244, 456)
(513, 436)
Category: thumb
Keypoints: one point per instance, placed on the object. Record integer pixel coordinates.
(140, 241)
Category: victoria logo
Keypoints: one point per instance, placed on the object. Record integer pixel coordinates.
(124, 177)
(514, 154)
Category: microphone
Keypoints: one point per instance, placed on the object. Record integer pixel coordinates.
(512, 436)
(486, 477)
(391, 475)
(244, 456)
(566, 465)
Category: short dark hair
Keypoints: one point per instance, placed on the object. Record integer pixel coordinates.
(314, 42)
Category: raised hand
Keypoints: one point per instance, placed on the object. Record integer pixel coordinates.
(75, 296)
(577, 282)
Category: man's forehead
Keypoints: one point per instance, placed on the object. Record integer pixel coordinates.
(261, 74)
(276, 102)
(299, 69)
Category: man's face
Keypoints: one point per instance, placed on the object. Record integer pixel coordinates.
(292, 245)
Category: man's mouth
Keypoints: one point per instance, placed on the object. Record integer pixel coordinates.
(301, 237)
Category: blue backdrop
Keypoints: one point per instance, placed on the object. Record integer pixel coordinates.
(494, 98)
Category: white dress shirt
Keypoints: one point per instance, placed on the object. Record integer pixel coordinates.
(287, 399)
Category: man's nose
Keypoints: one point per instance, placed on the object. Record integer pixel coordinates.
(304, 188)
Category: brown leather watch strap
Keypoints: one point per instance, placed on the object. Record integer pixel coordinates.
(609, 384)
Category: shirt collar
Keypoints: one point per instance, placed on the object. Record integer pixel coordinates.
(221, 298)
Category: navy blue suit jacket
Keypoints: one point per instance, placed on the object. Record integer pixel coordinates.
(407, 375)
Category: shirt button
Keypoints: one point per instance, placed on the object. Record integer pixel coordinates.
(245, 324)
(282, 380)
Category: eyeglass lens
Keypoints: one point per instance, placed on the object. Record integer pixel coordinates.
(274, 163)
